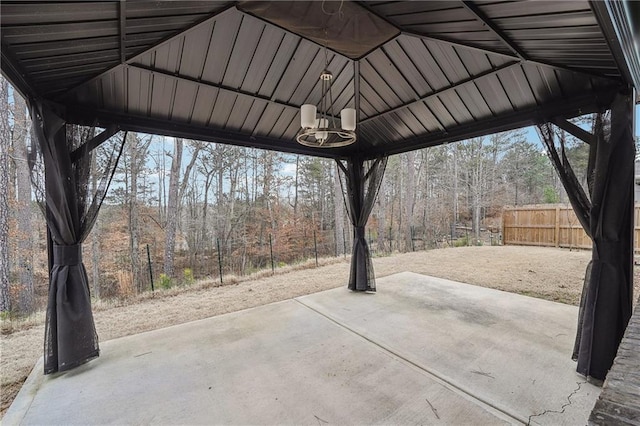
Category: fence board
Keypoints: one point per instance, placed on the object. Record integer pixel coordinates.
(551, 225)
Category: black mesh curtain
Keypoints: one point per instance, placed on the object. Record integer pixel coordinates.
(61, 166)
(362, 180)
(606, 302)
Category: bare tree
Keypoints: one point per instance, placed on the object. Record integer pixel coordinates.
(177, 190)
(172, 207)
(24, 254)
(339, 214)
(410, 199)
(5, 302)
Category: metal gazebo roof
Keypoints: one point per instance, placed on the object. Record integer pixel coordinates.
(418, 73)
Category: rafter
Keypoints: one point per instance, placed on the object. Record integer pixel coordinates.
(122, 9)
(442, 90)
(455, 43)
(495, 30)
(169, 39)
(218, 86)
(582, 104)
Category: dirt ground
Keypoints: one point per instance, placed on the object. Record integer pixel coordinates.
(548, 273)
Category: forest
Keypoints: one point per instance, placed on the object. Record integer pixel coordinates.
(180, 210)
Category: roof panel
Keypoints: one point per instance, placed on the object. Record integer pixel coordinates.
(382, 88)
(305, 65)
(500, 9)
(426, 117)
(441, 112)
(143, 9)
(237, 72)
(162, 92)
(222, 41)
(474, 101)
(48, 13)
(494, 94)
(246, 43)
(240, 111)
(184, 97)
(455, 106)
(203, 106)
(258, 108)
(407, 67)
(384, 66)
(54, 32)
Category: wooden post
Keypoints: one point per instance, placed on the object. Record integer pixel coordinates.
(557, 231)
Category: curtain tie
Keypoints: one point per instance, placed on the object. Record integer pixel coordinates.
(67, 255)
(360, 234)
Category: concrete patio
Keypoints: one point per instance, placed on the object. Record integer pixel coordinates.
(422, 350)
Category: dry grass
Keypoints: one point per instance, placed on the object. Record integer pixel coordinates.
(549, 273)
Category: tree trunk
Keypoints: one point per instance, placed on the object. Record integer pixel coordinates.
(134, 227)
(25, 294)
(172, 208)
(338, 211)
(5, 303)
(410, 199)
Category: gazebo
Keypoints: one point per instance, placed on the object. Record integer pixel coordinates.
(417, 74)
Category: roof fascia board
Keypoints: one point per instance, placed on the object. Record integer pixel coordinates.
(613, 19)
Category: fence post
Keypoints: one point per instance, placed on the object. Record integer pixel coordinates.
(219, 259)
(315, 246)
(557, 231)
(273, 268)
(150, 270)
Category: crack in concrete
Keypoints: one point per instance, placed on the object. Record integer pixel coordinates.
(564, 406)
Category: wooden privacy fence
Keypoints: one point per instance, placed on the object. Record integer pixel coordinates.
(553, 225)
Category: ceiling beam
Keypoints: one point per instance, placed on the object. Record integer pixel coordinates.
(122, 11)
(580, 105)
(18, 77)
(495, 30)
(85, 116)
(455, 43)
(211, 85)
(487, 51)
(435, 93)
(576, 131)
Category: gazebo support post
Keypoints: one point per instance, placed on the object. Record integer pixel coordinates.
(361, 181)
(607, 217)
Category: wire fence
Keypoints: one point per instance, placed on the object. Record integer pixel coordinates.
(224, 261)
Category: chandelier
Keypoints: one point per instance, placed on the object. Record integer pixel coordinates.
(320, 126)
